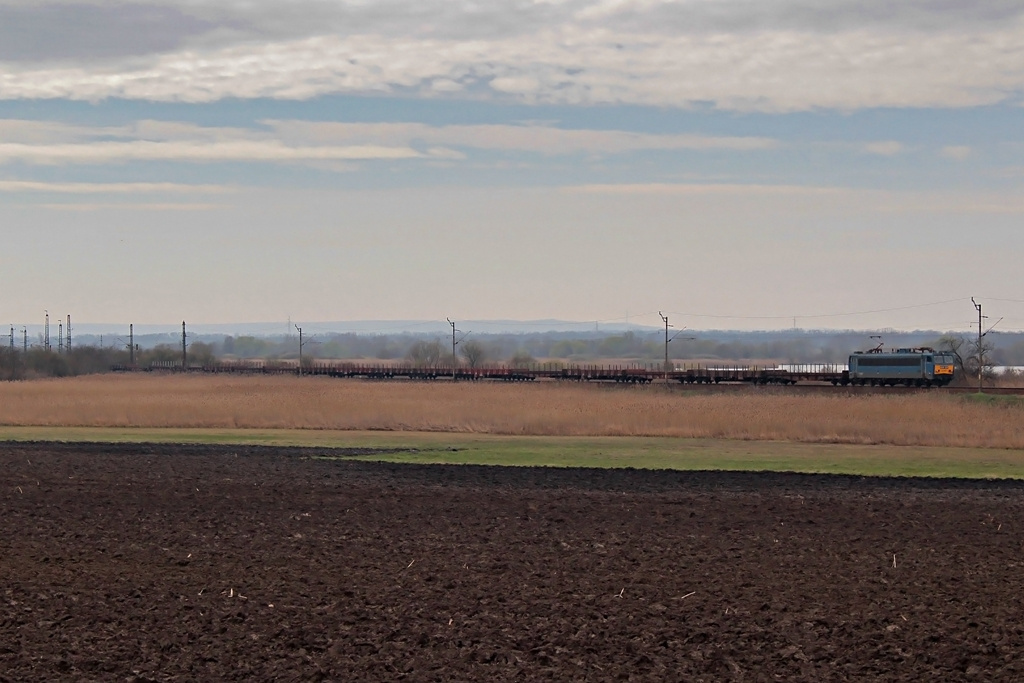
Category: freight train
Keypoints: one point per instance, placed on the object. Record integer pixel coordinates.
(919, 367)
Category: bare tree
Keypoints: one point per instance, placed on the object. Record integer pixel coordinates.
(201, 353)
(474, 353)
(11, 365)
(522, 359)
(423, 354)
(956, 346)
(970, 358)
(979, 358)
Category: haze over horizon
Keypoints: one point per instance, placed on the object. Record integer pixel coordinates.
(735, 164)
(289, 327)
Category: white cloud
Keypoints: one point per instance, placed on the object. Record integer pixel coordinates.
(542, 139)
(327, 145)
(141, 150)
(958, 152)
(41, 132)
(517, 85)
(869, 200)
(795, 57)
(704, 189)
(110, 188)
(885, 148)
(132, 207)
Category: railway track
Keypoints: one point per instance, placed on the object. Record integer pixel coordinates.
(999, 391)
(812, 388)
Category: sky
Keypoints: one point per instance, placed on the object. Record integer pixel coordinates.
(732, 164)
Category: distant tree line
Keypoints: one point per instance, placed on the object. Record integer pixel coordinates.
(647, 347)
(513, 349)
(38, 362)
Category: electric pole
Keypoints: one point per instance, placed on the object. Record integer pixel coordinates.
(455, 359)
(131, 346)
(981, 355)
(12, 338)
(68, 343)
(24, 339)
(184, 349)
(46, 332)
(300, 348)
(665, 367)
(60, 337)
(667, 340)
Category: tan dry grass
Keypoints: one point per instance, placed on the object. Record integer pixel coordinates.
(928, 419)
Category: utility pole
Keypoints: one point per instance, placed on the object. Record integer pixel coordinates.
(68, 343)
(981, 355)
(184, 349)
(46, 332)
(60, 337)
(24, 339)
(131, 346)
(12, 337)
(665, 367)
(300, 348)
(455, 359)
(667, 340)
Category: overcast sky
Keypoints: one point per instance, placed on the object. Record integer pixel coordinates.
(743, 164)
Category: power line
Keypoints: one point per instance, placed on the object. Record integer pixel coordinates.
(324, 327)
(1011, 301)
(819, 315)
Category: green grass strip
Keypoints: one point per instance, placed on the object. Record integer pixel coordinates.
(604, 452)
(998, 400)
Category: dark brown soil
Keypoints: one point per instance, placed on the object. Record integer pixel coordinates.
(159, 563)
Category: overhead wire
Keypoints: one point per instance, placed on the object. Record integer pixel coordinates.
(405, 326)
(1011, 301)
(818, 315)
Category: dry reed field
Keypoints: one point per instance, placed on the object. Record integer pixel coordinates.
(174, 401)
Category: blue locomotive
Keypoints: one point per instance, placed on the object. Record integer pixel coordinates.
(921, 367)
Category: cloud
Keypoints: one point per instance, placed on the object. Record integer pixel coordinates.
(744, 16)
(703, 189)
(328, 145)
(518, 85)
(787, 55)
(132, 207)
(541, 139)
(885, 148)
(245, 151)
(80, 31)
(958, 152)
(230, 22)
(110, 188)
(873, 200)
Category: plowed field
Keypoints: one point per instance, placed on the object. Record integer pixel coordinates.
(196, 563)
